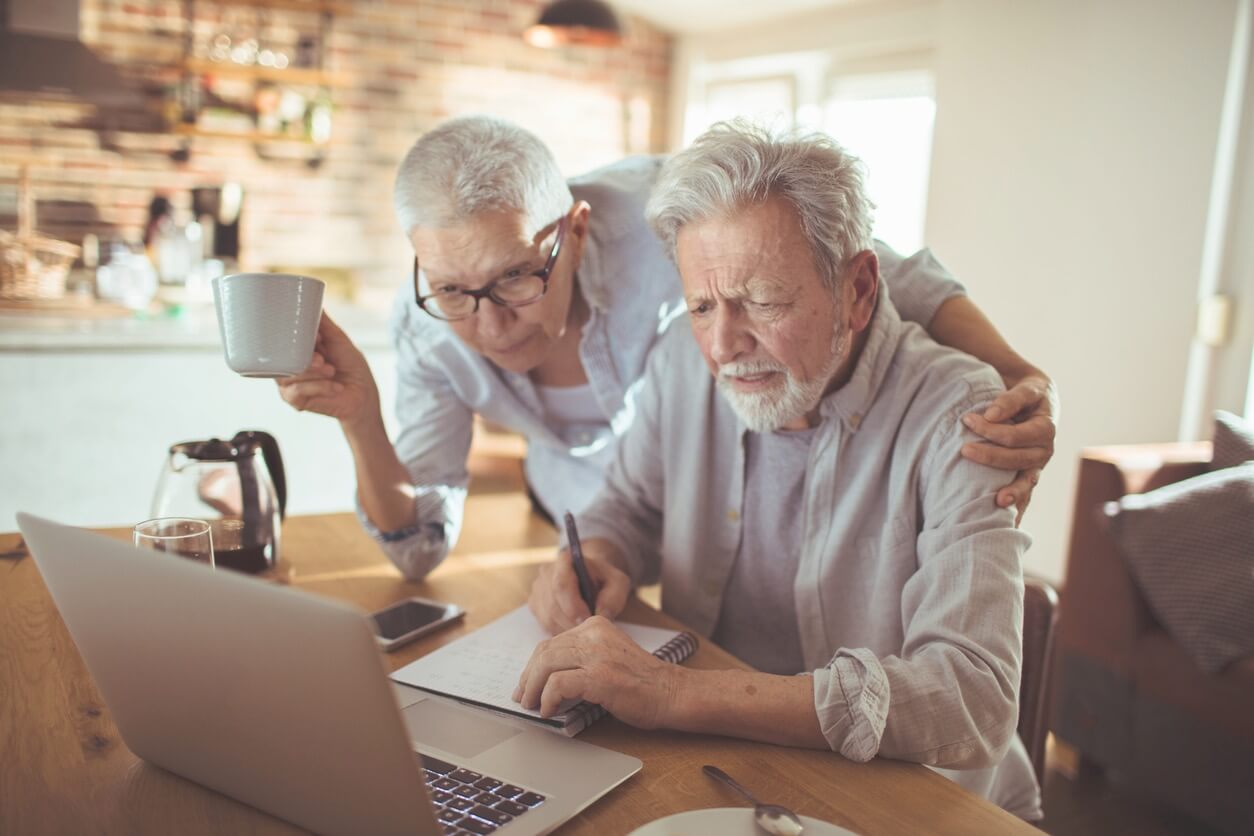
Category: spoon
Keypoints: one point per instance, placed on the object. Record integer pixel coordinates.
(773, 819)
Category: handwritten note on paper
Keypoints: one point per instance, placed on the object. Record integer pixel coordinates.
(484, 666)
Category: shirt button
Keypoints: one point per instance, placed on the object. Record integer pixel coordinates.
(733, 515)
(711, 589)
(855, 421)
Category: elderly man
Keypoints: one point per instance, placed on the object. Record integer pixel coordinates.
(535, 304)
(794, 478)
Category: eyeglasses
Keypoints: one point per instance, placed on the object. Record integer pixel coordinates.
(515, 289)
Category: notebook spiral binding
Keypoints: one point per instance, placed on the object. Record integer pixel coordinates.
(585, 714)
(677, 649)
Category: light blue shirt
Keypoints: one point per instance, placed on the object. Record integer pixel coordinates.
(633, 291)
(907, 586)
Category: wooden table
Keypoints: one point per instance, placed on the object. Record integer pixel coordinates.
(64, 769)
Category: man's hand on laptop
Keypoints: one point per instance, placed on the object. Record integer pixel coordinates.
(555, 597)
(1020, 428)
(598, 662)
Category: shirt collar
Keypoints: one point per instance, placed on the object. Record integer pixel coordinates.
(851, 402)
(591, 275)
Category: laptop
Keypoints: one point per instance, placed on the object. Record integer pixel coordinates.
(280, 699)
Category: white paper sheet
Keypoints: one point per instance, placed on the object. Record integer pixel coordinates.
(484, 666)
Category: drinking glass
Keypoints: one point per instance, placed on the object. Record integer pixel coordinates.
(177, 535)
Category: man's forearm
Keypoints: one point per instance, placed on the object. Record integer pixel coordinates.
(384, 488)
(959, 324)
(748, 704)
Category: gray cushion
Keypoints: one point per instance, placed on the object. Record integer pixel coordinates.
(1190, 546)
(1234, 441)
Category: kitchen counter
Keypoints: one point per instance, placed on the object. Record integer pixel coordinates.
(194, 328)
(94, 403)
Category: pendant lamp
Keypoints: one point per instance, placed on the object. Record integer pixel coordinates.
(575, 23)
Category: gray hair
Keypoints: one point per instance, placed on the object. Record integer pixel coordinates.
(478, 163)
(736, 164)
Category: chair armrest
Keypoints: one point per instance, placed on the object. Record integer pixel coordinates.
(1102, 610)
(1149, 466)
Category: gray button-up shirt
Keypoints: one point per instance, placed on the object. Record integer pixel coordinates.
(633, 291)
(908, 590)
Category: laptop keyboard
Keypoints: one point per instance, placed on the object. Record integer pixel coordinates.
(472, 803)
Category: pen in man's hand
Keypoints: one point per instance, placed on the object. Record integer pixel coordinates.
(586, 590)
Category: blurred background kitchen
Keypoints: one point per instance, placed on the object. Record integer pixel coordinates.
(1087, 169)
(146, 147)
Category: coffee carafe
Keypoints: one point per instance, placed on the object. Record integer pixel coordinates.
(237, 486)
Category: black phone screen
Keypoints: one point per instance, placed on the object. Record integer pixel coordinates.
(406, 617)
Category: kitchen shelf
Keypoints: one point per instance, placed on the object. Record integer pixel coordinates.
(248, 136)
(334, 7)
(286, 75)
(197, 75)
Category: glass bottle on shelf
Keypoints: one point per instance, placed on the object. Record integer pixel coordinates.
(318, 119)
(307, 52)
(189, 99)
(172, 104)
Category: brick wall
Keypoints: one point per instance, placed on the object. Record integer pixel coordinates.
(406, 66)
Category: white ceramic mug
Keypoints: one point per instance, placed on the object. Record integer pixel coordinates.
(268, 322)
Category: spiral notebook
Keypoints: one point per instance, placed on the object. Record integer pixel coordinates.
(482, 668)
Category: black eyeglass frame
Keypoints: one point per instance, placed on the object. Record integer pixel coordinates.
(486, 292)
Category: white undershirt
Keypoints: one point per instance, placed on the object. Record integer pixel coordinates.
(569, 405)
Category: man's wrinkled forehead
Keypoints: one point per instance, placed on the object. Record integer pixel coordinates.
(716, 255)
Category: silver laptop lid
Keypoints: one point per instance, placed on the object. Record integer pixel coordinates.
(272, 696)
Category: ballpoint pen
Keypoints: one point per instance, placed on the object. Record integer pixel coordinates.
(586, 590)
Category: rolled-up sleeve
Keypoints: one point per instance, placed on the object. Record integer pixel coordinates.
(436, 428)
(852, 698)
(419, 548)
(918, 285)
(950, 698)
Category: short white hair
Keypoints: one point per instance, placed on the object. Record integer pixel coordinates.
(737, 164)
(473, 164)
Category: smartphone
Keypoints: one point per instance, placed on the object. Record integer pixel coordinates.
(406, 620)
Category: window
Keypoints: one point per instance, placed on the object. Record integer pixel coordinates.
(766, 101)
(880, 106)
(886, 119)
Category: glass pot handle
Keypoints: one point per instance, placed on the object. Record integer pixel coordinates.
(274, 463)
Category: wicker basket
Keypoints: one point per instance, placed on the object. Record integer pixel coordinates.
(32, 266)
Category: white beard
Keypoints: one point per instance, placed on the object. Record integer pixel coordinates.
(770, 410)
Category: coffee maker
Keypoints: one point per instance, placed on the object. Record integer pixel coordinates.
(237, 486)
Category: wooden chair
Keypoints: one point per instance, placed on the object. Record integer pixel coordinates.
(1040, 614)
